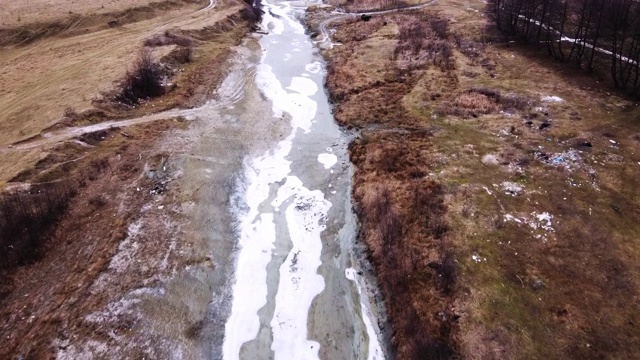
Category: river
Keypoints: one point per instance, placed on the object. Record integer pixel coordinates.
(295, 293)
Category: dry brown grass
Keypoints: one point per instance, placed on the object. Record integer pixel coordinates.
(77, 249)
(71, 73)
(403, 213)
(476, 102)
(367, 65)
(405, 228)
(423, 40)
(19, 13)
(482, 101)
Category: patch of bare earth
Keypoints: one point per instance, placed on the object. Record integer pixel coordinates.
(495, 189)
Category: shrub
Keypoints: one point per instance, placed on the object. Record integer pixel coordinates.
(252, 11)
(144, 81)
(422, 41)
(70, 113)
(168, 38)
(26, 220)
(97, 201)
(424, 345)
(440, 27)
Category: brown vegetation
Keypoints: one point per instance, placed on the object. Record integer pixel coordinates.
(405, 224)
(402, 213)
(142, 82)
(423, 40)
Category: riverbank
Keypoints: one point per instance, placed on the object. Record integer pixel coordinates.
(114, 243)
(191, 231)
(494, 189)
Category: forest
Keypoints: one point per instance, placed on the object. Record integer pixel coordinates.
(596, 35)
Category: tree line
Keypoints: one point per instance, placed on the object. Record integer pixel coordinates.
(593, 34)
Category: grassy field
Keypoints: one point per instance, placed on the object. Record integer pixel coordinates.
(15, 13)
(496, 188)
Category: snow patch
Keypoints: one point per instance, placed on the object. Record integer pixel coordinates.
(543, 221)
(314, 67)
(327, 160)
(490, 159)
(304, 86)
(126, 250)
(88, 351)
(511, 188)
(541, 224)
(114, 311)
(552, 99)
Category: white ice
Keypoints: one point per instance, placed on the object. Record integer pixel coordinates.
(314, 67)
(327, 160)
(552, 99)
(374, 350)
(304, 86)
(305, 213)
